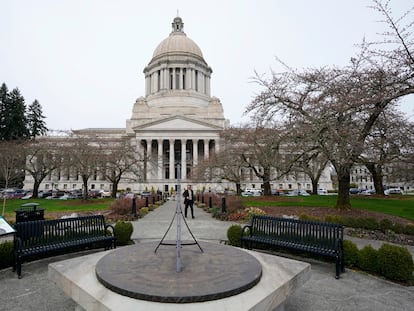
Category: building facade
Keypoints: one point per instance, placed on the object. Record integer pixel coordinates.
(176, 125)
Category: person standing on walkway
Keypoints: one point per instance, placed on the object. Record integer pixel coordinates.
(189, 200)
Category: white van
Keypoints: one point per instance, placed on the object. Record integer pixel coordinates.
(252, 192)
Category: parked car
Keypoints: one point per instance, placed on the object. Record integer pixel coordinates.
(322, 191)
(297, 193)
(367, 192)
(94, 194)
(391, 191)
(354, 191)
(27, 196)
(252, 192)
(105, 194)
(145, 194)
(277, 192)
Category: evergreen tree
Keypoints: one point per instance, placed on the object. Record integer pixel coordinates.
(35, 120)
(15, 122)
(4, 99)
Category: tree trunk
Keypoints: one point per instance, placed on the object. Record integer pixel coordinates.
(36, 185)
(266, 181)
(114, 189)
(238, 189)
(314, 186)
(377, 177)
(343, 201)
(85, 188)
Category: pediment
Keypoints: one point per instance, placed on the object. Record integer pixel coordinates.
(177, 123)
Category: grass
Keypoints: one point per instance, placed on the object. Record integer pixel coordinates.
(402, 206)
(67, 206)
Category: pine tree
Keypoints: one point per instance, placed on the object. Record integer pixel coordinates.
(4, 99)
(15, 123)
(35, 120)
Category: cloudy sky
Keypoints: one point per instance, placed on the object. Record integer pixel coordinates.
(83, 60)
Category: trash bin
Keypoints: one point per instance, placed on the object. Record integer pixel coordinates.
(29, 212)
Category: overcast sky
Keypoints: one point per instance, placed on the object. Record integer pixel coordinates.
(84, 60)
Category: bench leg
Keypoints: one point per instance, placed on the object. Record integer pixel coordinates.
(337, 267)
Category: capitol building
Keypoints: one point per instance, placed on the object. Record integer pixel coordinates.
(173, 127)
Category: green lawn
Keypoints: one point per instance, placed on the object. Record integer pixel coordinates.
(402, 206)
(68, 206)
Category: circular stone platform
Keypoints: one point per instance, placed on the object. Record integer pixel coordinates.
(220, 271)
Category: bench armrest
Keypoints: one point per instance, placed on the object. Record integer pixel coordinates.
(107, 226)
(245, 228)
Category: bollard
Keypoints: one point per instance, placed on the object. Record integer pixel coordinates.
(202, 198)
(153, 200)
(146, 201)
(210, 202)
(223, 205)
(134, 208)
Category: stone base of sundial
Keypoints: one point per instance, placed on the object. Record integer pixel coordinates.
(220, 271)
(221, 278)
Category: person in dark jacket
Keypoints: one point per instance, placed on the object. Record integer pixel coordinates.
(189, 200)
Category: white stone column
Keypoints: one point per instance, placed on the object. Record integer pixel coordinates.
(216, 146)
(183, 160)
(172, 169)
(193, 78)
(174, 79)
(160, 159)
(180, 79)
(206, 141)
(195, 152)
(147, 85)
(149, 154)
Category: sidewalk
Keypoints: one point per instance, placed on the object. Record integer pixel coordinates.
(353, 291)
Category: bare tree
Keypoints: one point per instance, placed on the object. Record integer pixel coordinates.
(11, 164)
(82, 156)
(118, 158)
(227, 164)
(341, 105)
(385, 145)
(42, 158)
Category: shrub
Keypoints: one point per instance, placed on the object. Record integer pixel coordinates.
(121, 206)
(395, 262)
(368, 259)
(234, 233)
(351, 254)
(385, 225)
(143, 211)
(6, 254)
(304, 216)
(398, 228)
(123, 232)
(251, 211)
(238, 216)
(409, 229)
(369, 223)
(335, 219)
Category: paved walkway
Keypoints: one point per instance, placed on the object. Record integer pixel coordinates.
(353, 291)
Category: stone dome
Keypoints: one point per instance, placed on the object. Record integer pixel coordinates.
(177, 42)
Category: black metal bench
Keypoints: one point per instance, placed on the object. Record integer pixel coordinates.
(319, 238)
(48, 237)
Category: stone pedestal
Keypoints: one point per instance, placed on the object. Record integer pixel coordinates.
(280, 277)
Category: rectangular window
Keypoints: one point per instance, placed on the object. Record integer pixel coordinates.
(196, 80)
(184, 75)
(159, 80)
(171, 79)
